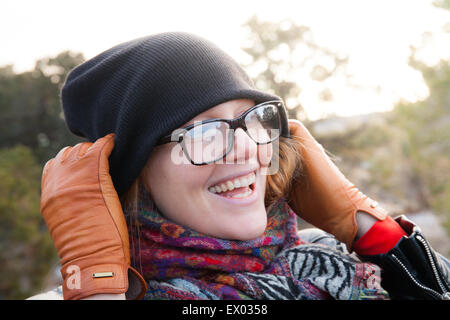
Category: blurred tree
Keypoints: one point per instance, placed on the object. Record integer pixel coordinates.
(26, 249)
(444, 4)
(427, 124)
(282, 53)
(30, 109)
(32, 130)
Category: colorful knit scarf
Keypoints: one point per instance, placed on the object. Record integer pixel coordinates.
(180, 263)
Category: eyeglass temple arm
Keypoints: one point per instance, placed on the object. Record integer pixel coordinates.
(284, 121)
(170, 138)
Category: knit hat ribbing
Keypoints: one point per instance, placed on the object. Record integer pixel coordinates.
(145, 88)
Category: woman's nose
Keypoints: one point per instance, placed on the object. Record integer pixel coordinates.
(244, 148)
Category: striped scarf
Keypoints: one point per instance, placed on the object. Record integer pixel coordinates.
(180, 263)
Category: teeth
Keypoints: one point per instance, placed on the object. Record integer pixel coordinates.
(242, 195)
(236, 183)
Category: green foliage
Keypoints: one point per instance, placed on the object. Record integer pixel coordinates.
(26, 249)
(444, 4)
(30, 109)
(427, 124)
(32, 130)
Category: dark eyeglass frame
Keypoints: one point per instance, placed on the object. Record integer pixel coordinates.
(238, 122)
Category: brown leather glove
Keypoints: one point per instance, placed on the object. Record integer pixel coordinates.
(324, 197)
(86, 222)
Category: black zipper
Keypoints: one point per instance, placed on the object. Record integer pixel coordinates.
(445, 295)
(433, 265)
(430, 291)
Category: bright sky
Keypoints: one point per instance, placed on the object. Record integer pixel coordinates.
(376, 34)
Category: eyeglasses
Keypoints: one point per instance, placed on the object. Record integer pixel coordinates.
(211, 140)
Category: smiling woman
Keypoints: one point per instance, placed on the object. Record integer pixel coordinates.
(217, 225)
(234, 189)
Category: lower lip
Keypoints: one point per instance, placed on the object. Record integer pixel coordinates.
(250, 199)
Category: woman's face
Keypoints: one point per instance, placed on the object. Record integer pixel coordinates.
(183, 192)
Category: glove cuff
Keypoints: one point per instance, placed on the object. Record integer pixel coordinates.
(81, 282)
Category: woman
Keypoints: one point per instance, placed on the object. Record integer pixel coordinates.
(210, 173)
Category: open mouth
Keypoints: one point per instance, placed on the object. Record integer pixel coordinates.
(236, 188)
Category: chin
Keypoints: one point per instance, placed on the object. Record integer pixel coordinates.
(248, 231)
(249, 236)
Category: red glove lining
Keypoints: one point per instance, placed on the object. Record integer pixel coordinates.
(380, 238)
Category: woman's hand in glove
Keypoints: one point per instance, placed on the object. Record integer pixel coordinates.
(86, 222)
(324, 197)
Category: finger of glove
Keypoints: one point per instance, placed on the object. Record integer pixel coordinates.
(77, 151)
(45, 170)
(312, 149)
(47, 166)
(297, 129)
(62, 154)
(109, 192)
(102, 145)
(80, 149)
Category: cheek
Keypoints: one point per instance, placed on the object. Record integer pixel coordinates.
(172, 180)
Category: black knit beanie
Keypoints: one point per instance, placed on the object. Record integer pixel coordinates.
(144, 89)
